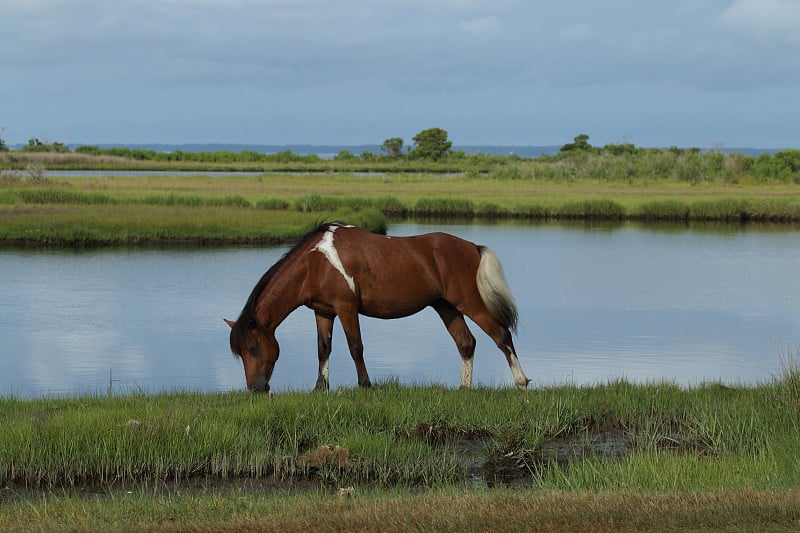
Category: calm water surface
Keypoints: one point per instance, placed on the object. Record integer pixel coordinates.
(596, 304)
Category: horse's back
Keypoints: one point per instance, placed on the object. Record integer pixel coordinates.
(398, 276)
(436, 250)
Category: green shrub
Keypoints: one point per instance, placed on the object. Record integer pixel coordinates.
(592, 209)
(316, 202)
(390, 206)
(272, 204)
(727, 209)
(490, 210)
(533, 211)
(508, 173)
(60, 196)
(663, 210)
(230, 201)
(433, 207)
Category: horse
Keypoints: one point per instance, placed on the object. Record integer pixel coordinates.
(339, 270)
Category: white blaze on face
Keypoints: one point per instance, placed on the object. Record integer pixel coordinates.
(325, 245)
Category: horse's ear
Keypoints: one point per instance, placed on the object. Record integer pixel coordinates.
(229, 322)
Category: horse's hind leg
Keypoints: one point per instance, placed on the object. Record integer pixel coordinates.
(324, 336)
(502, 338)
(465, 342)
(352, 330)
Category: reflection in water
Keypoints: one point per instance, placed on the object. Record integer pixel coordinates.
(596, 303)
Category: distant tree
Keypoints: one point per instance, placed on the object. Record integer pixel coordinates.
(620, 149)
(790, 158)
(393, 147)
(35, 145)
(431, 144)
(581, 142)
(344, 155)
(3, 145)
(88, 149)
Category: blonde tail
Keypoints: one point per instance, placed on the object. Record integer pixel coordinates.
(494, 290)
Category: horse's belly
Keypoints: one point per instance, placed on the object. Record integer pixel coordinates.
(389, 309)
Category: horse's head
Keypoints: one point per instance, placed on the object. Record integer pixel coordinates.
(257, 349)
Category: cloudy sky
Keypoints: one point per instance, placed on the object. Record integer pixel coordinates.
(523, 72)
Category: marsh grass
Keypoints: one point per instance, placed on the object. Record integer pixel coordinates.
(612, 164)
(674, 210)
(707, 455)
(439, 207)
(707, 437)
(169, 221)
(272, 208)
(399, 194)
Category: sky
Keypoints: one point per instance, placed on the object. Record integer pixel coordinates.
(711, 73)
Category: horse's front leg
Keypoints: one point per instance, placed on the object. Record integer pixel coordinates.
(324, 336)
(352, 330)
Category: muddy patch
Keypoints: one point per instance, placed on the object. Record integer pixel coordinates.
(311, 463)
(519, 466)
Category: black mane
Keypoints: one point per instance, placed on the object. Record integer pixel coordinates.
(247, 318)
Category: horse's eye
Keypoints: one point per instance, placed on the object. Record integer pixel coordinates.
(253, 350)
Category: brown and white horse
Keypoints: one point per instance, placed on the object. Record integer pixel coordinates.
(341, 270)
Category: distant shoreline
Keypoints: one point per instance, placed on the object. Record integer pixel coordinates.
(330, 150)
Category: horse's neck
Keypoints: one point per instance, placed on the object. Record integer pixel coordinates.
(279, 298)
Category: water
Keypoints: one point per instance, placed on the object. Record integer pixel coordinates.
(596, 304)
(197, 173)
(141, 173)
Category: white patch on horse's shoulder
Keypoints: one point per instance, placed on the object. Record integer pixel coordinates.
(325, 245)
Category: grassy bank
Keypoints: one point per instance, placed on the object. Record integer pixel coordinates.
(606, 437)
(691, 455)
(106, 225)
(142, 211)
(273, 208)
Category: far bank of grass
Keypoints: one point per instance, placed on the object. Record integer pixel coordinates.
(70, 225)
(576, 161)
(654, 456)
(279, 207)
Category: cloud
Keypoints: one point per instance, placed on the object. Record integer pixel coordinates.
(577, 33)
(481, 27)
(84, 66)
(767, 22)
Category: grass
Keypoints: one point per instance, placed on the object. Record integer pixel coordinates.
(698, 457)
(275, 208)
(92, 213)
(443, 510)
(102, 225)
(612, 163)
(664, 437)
